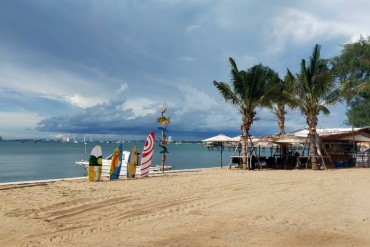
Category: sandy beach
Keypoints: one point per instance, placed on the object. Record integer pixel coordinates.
(212, 207)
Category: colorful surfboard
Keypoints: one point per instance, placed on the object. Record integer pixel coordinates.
(116, 163)
(132, 162)
(146, 158)
(95, 164)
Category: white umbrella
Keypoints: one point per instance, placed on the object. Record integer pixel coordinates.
(219, 138)
(239, 138)
(236, 138)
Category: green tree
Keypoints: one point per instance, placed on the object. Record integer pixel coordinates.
(352, 66)
(314, 89)
(277, 102)
(247, 92)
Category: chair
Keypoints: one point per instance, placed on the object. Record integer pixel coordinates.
(236, 162)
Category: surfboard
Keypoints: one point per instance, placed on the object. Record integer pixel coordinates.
(116, 163)
(95, 164)
(146, 158)
(132, 162)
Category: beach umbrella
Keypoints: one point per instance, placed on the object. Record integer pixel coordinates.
(239, 138)
(236, 138)
(219, 138)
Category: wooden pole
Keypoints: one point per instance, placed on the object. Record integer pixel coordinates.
(164, 124)
(221, 155)
(163, 143)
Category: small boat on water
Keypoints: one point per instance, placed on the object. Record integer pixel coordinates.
(125, 155)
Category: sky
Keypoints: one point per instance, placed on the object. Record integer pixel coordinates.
(103, 69)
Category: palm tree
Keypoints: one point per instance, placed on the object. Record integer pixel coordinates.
(248, 91)
(277, 102)
(314, 89)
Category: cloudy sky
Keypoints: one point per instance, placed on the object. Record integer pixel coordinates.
(104, 68)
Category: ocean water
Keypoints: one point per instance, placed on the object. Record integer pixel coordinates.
(49, 160)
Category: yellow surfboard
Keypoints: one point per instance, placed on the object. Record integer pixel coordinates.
(132, 163)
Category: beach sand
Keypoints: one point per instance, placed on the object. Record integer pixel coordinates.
(212, 207)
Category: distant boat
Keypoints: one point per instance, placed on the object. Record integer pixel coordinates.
(125, 156)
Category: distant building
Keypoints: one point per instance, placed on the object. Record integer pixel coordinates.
(64, 139)
(1, 138)
(169, 139)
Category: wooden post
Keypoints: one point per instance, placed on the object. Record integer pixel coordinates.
(163, 143)
(164, 122)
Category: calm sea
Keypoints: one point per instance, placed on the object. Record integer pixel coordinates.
(49, 160)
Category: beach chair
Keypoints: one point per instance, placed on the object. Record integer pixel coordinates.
(235, 162)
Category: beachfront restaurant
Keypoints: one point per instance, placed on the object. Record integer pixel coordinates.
(347, 148)
(337, 148)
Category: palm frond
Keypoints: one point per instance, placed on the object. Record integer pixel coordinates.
(248, 89)
(315, 60)
(293, 100)
(323, 109)
(227, 92)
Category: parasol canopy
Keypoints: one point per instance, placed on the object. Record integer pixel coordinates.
(219, 138)
(239, 138)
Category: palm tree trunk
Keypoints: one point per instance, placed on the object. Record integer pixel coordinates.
(246, 124)
(280, 113)
(313, 149)
(244, 150)
(281, 118)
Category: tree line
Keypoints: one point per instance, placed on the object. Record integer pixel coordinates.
(320, 83)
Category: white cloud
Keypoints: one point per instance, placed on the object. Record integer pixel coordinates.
(297, 26)
(123, 88)
(140, 107)
(84, 102)
(20, 120)
(304, 26)
(18, 125)
(196, 110)
(56, 84)
(51, 82)
(194, 99)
